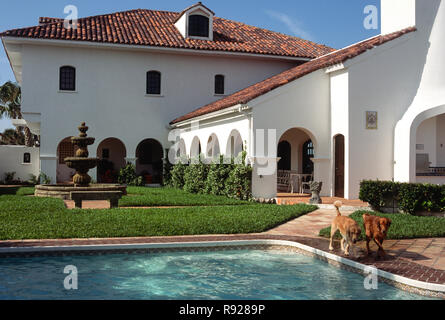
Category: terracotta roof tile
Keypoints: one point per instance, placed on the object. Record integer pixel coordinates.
(258, 89)
(156, 28)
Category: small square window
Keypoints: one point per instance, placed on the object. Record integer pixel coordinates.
(27, 157)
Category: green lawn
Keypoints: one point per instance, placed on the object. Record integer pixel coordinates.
(159, 197)
(24, 217)
(403, 226)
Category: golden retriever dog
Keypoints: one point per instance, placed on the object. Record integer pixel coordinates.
(349, 230)
(376, 229)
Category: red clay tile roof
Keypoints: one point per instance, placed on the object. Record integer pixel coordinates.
(156, 28)
(46, 20)
(263, 87)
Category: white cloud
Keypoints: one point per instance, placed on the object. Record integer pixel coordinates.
(294, 26)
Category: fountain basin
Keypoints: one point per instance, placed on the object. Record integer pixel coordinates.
(62, 191)
(81, 163)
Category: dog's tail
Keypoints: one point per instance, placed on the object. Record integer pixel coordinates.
(338, 205)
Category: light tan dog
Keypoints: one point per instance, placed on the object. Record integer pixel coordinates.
(349, 230)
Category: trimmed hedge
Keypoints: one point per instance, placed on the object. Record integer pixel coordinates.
(231, 180)
(411, 197)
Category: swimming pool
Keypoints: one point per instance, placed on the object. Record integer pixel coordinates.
(232, 275)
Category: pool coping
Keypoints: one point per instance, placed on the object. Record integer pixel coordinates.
(401, 282)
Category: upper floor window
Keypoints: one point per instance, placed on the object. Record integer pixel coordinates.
(67, 78)
(198, 26)
(153, 82)
(219, 84)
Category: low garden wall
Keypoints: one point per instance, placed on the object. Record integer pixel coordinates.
(411, 198)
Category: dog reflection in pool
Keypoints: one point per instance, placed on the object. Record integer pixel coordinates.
(349, 230)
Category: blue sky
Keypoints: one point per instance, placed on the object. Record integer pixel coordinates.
(337, 23)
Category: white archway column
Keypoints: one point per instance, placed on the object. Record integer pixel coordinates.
(264, 177)
(48, 166)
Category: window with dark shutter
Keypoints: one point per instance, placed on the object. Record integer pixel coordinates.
(67, 79)
(198, 26)
(219, 84)
(153, 82)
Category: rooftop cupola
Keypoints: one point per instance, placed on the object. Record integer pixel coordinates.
(196, 22)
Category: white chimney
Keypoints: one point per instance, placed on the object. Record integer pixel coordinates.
(397, 15)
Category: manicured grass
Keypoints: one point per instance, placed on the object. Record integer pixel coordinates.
(403, 226)
(45, 218)
(159, 197)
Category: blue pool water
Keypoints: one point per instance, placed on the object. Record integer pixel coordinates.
(247, 274)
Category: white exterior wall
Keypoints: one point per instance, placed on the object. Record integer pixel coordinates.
(303, 104)
(340, 122)
(397, 15)
(110, 92)
(11, 160)
(429, 94)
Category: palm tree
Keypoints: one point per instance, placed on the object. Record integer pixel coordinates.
(12, 137)
(10, 107)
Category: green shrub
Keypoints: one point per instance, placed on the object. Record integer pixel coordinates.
(127, 175)
(177, 176)
(44, 178)
(216, 178)
(195, 177)
(411, 197)
(239, 182)
(376, 193)
(9, 177)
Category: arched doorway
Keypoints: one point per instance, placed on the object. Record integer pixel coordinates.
(111, 153)
(284, 153)
(339, 166)
(149, 162)
(296, 148)
(65, 149)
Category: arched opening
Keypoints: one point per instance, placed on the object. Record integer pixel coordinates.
(149, 162)
(111, 153)
(296, 148)
(213, 151)
(339, 166)
(195, 149)
(234, 144)
(65, 149)
(430, 150)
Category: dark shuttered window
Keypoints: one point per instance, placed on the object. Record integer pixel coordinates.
(67, 79)
(219, 84)
(198, 26)
(153, 82)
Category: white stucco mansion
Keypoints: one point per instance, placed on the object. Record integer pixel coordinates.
(373, 110)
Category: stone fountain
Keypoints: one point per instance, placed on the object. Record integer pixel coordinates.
(81, 163)
(81, 188)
